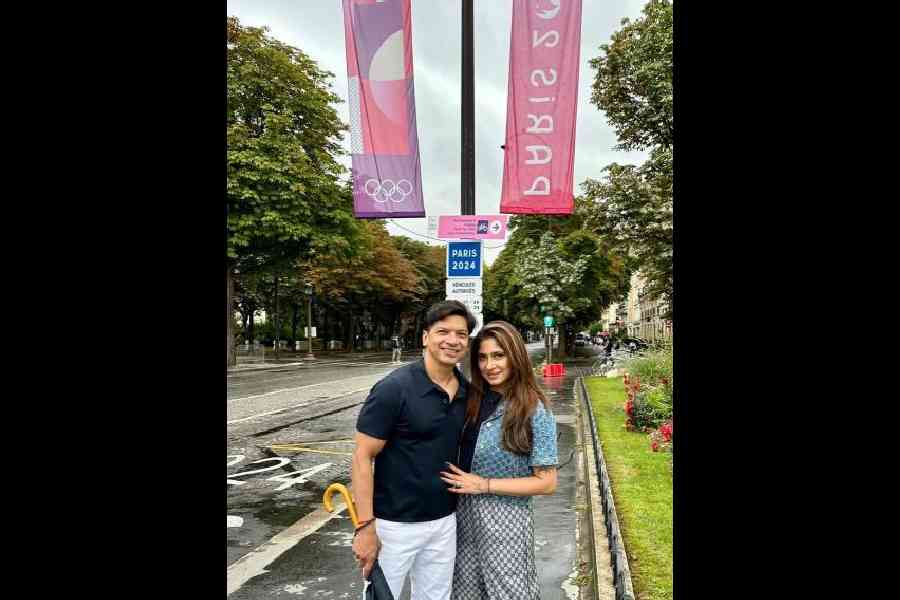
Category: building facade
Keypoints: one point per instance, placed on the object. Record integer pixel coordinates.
(644, 316)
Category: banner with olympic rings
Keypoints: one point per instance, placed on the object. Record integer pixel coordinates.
(538, 165)
(384, 144)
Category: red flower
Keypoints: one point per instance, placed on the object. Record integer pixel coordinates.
(666, 431)
(654, 445)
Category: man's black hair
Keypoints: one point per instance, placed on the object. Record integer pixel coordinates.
(442, 310)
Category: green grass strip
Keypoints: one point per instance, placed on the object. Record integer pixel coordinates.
(642, 490)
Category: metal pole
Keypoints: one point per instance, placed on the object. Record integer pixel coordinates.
(467, 204)
(548, 340)
(309, 352)
(550, 353)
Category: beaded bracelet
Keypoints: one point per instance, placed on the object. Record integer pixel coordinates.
(363, 526)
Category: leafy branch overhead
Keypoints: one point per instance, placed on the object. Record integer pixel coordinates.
(632, 206)
(283, 138)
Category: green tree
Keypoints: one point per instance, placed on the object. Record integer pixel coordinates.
(554, 266)
(284, 199)
(377, 278)
(632, 206)
(633, 84)
(430, 264)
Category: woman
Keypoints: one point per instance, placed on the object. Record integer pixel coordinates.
(509, 445)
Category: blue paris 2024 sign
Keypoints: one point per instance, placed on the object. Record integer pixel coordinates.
(464, 259)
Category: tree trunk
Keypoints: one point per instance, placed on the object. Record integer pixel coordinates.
(417, 333)
(275, 321)
(295, 318)
(231, 357)
(561, 338)
(349, 330)
(251, 335)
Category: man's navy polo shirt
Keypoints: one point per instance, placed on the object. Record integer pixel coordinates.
(422, 427)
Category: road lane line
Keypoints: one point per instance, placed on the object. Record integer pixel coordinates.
(303, 387)
(301, 405)
(255, 562)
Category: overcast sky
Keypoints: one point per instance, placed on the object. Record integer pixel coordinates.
(316, 27)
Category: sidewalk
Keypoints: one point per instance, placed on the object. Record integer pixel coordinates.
(570, 548)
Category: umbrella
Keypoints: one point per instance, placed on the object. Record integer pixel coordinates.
(378, 587)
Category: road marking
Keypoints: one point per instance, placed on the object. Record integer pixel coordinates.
(233, 521)
(301, 405)
(303, 387)
(296, 448)
(255, 562)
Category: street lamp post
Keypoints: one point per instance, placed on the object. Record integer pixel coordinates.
(309, 291)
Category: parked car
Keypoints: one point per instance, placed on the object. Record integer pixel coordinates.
(640, 343)
(579, 339)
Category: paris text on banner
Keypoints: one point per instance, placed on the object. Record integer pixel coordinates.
(538, 166)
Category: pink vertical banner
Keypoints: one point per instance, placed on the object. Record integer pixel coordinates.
(539, 163)
(384, 145)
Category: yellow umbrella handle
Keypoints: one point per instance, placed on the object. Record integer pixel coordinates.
(326, 500)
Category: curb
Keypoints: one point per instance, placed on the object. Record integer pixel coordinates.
(270, 366)
(601, 504)
(264, 367)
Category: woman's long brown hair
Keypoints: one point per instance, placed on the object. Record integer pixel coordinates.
(520, 390)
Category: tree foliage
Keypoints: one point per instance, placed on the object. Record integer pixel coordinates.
(554, 266)
(285, 202)
(633, 84)
(632, 206)
(283, 137)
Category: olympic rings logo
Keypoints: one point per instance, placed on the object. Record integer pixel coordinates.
(382, 191)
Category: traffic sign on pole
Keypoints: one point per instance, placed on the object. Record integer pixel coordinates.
(548, 321)
(464, 259)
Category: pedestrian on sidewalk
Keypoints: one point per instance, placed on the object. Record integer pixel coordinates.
(507, 454)
(410, 426)
(397, 349)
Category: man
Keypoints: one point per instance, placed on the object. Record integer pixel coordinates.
(410, 425)
(397, 350)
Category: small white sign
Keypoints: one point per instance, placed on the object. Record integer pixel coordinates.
(464, 286)
(472, 302)
(432, 226)
(306, 332)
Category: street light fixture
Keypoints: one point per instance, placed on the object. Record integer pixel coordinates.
(308, 289)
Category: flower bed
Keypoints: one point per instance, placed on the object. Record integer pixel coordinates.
(642, 489)
(648, 409)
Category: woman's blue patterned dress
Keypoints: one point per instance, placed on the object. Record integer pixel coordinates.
(495, 534)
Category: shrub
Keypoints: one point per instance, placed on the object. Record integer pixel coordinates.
(648, 382)
(652, 367)
(646, 413)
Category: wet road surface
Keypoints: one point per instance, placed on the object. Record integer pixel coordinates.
(289, 437)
